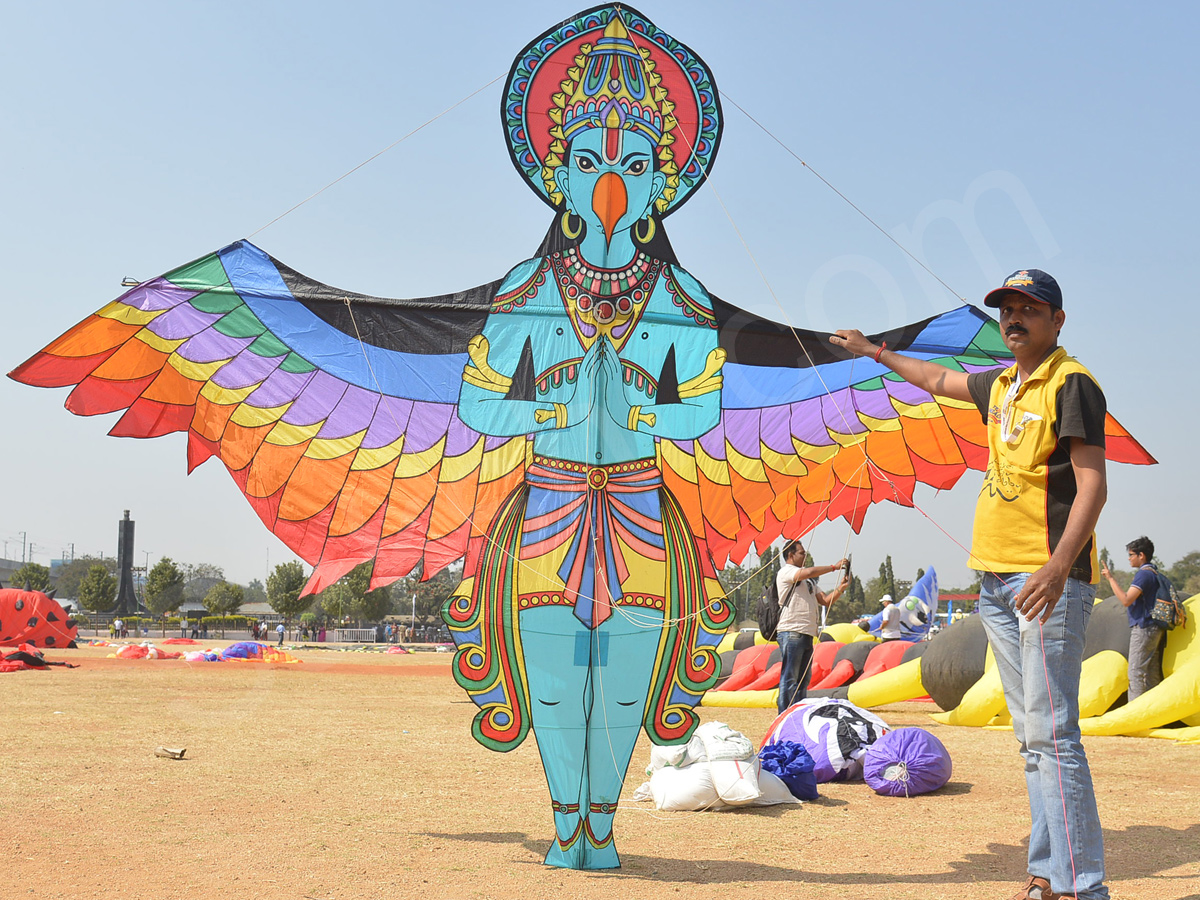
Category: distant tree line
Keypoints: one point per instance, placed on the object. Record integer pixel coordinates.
(92, 582)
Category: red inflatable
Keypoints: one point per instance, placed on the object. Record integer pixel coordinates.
(842, 673)
(886, 656)
(139, 651)
(31, 617)
(748, 666)
(767, 680)
(824, 653)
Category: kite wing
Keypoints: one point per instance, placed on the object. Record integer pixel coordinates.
(334, 412)
(808, 433)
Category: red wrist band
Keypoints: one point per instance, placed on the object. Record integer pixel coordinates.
(879, 352)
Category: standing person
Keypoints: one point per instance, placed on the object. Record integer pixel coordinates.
(889, 625)
(279, 630)
(799, 597)
(183, 625)
(1146, 642)
(1034, 542)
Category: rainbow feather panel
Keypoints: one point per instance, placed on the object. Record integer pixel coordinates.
(336, 414)
(346, 450)
(827, 438)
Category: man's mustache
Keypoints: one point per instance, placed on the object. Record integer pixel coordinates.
(1016, 329)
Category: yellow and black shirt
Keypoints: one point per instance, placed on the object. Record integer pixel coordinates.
(1029, 486)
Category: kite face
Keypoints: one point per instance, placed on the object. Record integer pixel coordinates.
(620, 73)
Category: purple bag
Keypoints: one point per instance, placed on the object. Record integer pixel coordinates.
(905, 762)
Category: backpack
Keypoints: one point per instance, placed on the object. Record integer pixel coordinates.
(769, 609)
(1168, 610)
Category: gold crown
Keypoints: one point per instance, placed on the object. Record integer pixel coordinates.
(612, 85)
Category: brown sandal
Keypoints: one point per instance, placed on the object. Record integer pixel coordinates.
(1041, 884)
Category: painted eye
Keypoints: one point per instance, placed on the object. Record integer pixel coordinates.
(584, 164)
(637, 167)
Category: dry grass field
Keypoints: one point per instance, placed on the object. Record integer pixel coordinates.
(354, 775)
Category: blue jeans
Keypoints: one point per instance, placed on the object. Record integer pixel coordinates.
(797, 650)
(1039, 665)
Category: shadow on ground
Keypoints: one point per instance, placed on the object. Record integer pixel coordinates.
(1125, 851)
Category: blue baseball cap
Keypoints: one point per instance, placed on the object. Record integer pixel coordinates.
(1033, 283)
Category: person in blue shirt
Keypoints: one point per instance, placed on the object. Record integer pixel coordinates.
(1145, 635)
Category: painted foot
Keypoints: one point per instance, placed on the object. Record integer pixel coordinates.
(597, 831)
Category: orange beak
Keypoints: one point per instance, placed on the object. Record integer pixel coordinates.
(609, 202)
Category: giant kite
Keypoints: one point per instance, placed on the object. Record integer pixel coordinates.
(593, 434)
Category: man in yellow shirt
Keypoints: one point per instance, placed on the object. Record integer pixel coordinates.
(1034, 542)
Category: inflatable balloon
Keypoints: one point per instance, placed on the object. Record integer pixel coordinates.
(954, 661)
(847, 665)
(34, 618)
(883, 657)
(893, 686)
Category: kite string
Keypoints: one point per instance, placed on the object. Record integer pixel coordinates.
(850, 202)
(375, 156)
(874, 467)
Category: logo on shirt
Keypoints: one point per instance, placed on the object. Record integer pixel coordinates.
(998, 482)
(993, 415)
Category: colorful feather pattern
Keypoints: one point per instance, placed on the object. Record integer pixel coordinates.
(351, 451)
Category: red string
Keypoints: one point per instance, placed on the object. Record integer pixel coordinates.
(1058, 760)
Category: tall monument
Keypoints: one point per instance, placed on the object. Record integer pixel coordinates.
(126, 603)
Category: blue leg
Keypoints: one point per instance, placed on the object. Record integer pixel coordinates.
(588, 690)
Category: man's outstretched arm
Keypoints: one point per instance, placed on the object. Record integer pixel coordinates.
(929, 376)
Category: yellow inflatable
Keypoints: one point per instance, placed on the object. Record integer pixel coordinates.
(982, 702)
(1176, 698)
(891, 686)
(848, 633)
(1105, 677)
(742, 699)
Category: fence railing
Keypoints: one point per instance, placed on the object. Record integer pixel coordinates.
(351, 635)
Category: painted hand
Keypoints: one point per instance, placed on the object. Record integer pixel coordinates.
(610, 376)
(579, 407)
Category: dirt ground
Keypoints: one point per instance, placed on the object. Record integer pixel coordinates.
(354, 775)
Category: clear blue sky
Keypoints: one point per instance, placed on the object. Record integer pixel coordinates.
(142, 135)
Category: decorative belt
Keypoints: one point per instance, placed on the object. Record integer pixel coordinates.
(598, 505)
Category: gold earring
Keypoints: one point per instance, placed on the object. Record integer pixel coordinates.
(566, 226)
(650, 227)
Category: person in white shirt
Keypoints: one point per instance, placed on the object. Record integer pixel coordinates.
(889, 625)
(799, 598)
